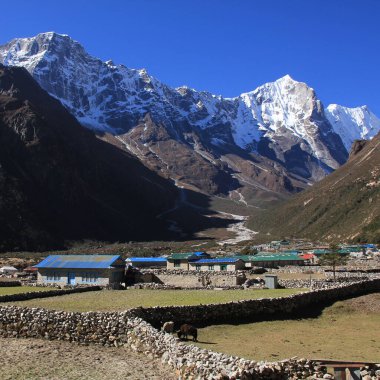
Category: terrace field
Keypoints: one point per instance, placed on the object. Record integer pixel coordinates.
(107, 300)
(347, 330)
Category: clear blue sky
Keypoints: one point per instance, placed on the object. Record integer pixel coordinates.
(223, 46)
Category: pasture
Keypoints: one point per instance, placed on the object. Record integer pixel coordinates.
(8, 290)
(112, 300)
(347, 330)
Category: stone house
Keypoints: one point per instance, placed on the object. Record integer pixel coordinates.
(217, 264)
(183, 260)
(272, 260)
(100, 270)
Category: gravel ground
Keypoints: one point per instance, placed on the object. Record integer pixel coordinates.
(368, 304)
(53, 360)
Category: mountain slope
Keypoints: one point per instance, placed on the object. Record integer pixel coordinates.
(344, 205)
(59, 182)
(281, 129)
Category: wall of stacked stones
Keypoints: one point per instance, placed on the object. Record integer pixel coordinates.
(192, 279)
(129, 328)
(47, 293)
(250, 310)
(9, 283)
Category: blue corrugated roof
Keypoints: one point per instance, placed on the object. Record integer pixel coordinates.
(147, 259)
(217, 261)
(78, 261)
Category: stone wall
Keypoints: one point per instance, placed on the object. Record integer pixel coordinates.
(192, 279)
(6, 284)
(47, 293)
(250, 310)
(128, 328)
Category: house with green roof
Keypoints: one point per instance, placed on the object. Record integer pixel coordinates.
(182, 260)
(271, 260)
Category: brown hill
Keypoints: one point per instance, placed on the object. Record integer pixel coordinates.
(59, 182)
(343, 206)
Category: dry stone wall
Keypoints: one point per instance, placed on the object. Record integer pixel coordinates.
(129, 328)
(192, 279)
(48, 293)
(250, 310)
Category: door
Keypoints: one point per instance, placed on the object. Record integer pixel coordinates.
(71, 278)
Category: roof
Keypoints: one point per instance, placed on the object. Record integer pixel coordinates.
(6, 267)
(277, 257)
(147, 259)
(219, 260)
(187, 255)
(307, 256)
(78, 261)
(245, 257)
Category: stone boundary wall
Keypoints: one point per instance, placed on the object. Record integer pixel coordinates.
(192, 279)
(250, 310)
(45, 294)
(6, 284)
(128, 328)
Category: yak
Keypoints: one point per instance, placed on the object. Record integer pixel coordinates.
(186, 330)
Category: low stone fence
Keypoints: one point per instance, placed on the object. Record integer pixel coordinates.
(6, 284)
(48, 293)
(298, 269)
(250, 310)
(191, 279)
(128, 328)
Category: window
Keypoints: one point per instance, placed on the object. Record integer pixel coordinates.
(177, 263)
(53, 276)
(90, 277)
(223, 267)
(197, 267)
(211, 267)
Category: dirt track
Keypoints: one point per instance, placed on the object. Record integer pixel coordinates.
(46, 360)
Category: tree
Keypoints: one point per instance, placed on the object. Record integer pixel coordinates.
(333, 259)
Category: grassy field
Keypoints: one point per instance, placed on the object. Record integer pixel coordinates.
(7, 290)
(347, 330)
(126, 299)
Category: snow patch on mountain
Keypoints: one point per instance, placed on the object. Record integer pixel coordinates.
(352, 123)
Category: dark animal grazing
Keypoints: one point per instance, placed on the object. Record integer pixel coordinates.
(186, 330)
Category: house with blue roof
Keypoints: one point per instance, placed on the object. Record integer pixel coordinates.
(217, 264)
(183, 260)
(103, 270)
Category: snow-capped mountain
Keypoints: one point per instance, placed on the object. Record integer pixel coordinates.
(352, 123)
(278, 137)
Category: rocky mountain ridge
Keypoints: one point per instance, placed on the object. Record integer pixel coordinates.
(275, 140)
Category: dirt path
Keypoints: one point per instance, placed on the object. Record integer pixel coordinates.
(52, 360)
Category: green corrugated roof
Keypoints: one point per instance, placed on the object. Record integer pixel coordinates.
(186, 255)
(245, 258)
(277, 257)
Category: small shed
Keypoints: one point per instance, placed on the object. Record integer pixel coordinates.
(271, 281)
(8, 270)
(147, 262)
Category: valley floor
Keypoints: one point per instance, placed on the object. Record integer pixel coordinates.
(33, 359)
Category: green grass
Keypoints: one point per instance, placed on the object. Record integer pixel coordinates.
(7, 290)
(106, 300)
(341, 332)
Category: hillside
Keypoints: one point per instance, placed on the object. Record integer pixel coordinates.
(343, 206)
(58, 182)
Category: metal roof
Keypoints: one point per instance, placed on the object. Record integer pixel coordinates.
(187, 255)
(219, 260)
(244, 257)
(277, 257)
(78, 261)
(147, 259)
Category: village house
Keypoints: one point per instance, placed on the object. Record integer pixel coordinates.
(101, 270)
(183, 260)
(8, 270)
(146, 262)
(272, 260)
(217, 264)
